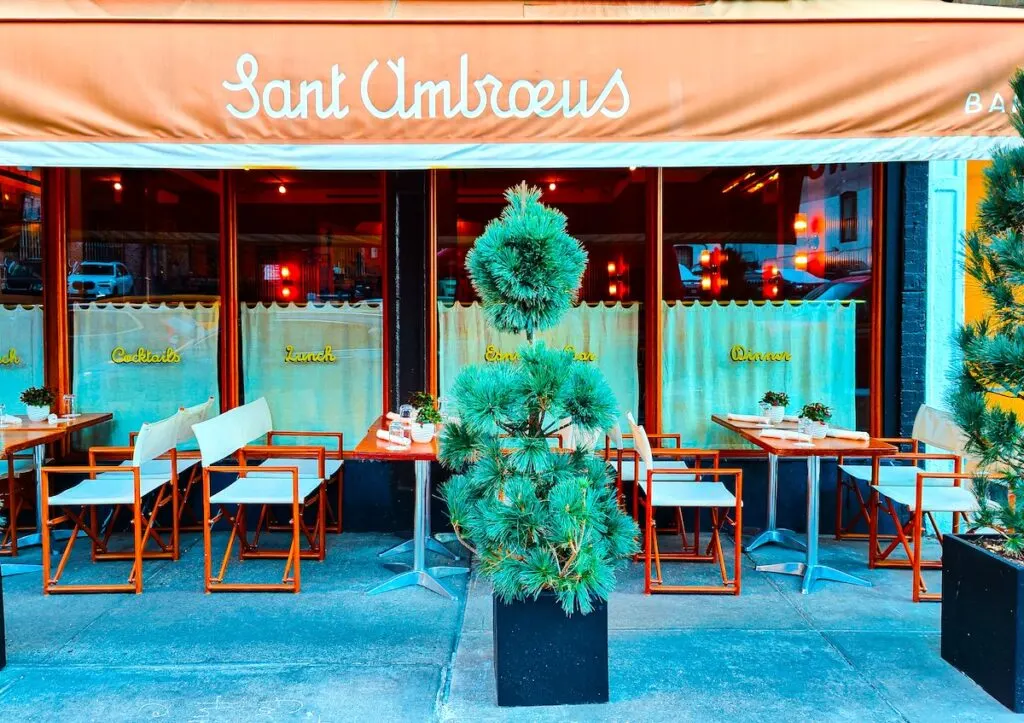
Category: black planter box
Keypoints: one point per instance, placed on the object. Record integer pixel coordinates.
(544, 657)
(983, 618)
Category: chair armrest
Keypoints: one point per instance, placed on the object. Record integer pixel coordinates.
(266, 451)
(340, 436)
(132, 436)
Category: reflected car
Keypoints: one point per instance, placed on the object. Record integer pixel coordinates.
(24, 277)
(849, 287)
(100, 278)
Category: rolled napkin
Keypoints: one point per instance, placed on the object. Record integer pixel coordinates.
(747, 418)
(9, 419)
(391, 416)
(385, 437)
(848, 434)
(786, 434)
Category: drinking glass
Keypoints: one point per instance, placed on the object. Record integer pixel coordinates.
(3, 418)
(405, 412)
(69, 405)
(397, 431)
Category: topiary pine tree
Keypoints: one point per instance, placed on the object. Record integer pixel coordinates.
(992, 348)
(540, 519)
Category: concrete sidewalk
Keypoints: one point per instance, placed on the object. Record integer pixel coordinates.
(332, 653)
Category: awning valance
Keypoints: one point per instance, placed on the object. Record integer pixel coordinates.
(385, 94)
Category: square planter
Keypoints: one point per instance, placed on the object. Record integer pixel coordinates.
(983, 618)
(544, 657)
(3, 630)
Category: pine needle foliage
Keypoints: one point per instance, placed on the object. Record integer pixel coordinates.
(992, 348)
(539, 518)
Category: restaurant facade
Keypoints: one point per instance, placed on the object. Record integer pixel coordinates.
(246, 200)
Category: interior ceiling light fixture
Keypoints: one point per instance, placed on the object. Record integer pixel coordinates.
(282, 189)
(552, 186)
(117, 186)
(738, 181)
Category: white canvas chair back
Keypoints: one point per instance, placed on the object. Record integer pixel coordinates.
(226, 433)
(939, 432)
(616, 436)
(190, 416)
(155, 439)
(640, 442)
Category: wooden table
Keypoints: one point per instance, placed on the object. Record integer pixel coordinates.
(35, 436)
(813, 451)
(371, 448)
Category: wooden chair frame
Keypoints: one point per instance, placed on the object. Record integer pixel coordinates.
(335, 523)
(15, 502)
(846, 485)
(909, 534)
(625, 451)
(291, 580)
(100, 549)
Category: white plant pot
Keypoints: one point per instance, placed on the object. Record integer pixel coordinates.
(776, 414)
(817, 430)
(422, 433)
(37, 414)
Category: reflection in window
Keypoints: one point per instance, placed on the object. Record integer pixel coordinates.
(311, 282)
(772, 260)
(143, 285)
(21, 286)
(605, 211)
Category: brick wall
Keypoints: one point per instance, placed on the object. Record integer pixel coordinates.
(913, 301)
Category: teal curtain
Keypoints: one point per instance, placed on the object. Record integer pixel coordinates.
(141, 362)
(319, 365)
(603, 334)
(722, 357)
(21, 353)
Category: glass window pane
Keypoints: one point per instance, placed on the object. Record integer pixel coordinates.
(767, 286)
(143, 287)
(21, 286)
(311, 278)
(605, 211)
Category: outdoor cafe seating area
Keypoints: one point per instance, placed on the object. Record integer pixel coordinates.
(278, 495)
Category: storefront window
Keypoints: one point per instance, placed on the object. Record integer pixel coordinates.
(21, 286)
(767, 286)
(143, 286)
(311, 274)
(605, 211)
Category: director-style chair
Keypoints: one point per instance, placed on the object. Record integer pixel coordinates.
(16, 468)
(260, 485)
(910, 495)
(117, 487)
(672, 483)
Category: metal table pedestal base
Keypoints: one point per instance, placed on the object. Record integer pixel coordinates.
(811, 570)
(772, 535)
(418, 573)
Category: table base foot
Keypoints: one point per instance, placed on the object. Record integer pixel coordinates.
(778, 536)
(410, 578)
(34, 539)
(9, 569)
(433, 545)
(812, 574)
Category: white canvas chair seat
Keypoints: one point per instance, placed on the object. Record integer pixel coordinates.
(888, 474)
(266, 488)
(933, 499)
(163, 466)
(109, 488)
(628, 469)
(691, 494)
(307, 466)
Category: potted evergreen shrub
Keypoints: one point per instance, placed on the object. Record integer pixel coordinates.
(983, 574)
(816, 415)
(37, 401)
(775, 404)
(544, 523)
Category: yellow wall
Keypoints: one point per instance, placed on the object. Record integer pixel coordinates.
(975, 304)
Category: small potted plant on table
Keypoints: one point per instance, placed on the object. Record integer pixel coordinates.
(775, 404)
(37, 401)
(816, 415)
(427, 417)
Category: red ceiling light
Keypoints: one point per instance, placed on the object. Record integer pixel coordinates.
(117, 186)
(286, 292)
(800, 223)
(282, 189)
(611, 268)
(552, 186)
(705, 258)
(613, 289)
(800, 261)
(705, 282)
(286, 272)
